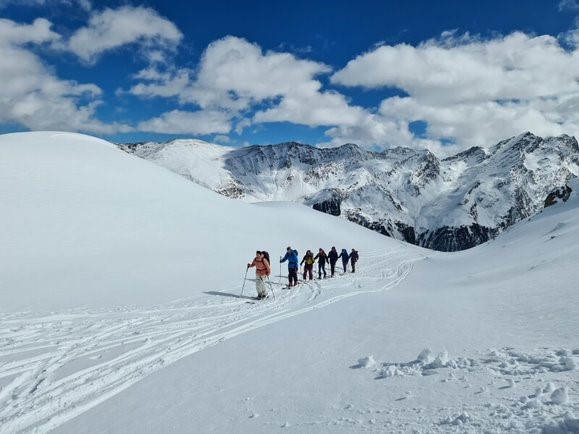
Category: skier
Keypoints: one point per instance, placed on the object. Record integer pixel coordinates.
(292, 266)
(322, 259)
(262, 270)
(333, 257)
(344, 255)
(309, 260)
(353, 259)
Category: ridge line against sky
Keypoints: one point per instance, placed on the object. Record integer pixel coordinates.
(443, 76)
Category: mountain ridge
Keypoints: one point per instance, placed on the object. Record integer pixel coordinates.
(445, 204)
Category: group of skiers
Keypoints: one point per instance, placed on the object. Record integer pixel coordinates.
(263, 266)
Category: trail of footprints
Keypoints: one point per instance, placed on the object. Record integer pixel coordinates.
(54, 367)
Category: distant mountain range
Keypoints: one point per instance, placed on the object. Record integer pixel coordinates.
(444, 204)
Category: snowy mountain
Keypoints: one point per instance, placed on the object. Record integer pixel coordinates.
(448, 205)
(126, 307)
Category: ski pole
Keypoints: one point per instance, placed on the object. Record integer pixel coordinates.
(279, 280)
(271, 287)
(244, 280)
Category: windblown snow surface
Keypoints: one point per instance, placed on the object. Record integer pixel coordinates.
(121, 311)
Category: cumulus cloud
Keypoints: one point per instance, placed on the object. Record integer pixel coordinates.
(234, 73)
(184, 122)
(467, 91)
(14, 34)
(111, 29)
(481, 124)
(236, 76)
(313, 108)
(472, 91)
(514, 67)
(154, 83)
(36, 98)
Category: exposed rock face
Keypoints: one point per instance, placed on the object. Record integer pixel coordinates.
(562, 193)
(450, 239)
(444, 204)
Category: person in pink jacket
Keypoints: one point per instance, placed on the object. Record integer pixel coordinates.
(262, 270)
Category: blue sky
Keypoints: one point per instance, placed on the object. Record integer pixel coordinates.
(443, 75)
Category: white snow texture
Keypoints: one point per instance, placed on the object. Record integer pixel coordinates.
(121, 311)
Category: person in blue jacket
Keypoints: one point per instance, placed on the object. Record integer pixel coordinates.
(292, 266)
(344, 255)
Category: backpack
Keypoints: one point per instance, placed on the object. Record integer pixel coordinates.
(266, 256)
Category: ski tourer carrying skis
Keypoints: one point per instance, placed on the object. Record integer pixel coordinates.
(292, 266)
(262, 270)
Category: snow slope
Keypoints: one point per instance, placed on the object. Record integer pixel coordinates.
(83, 223)
(120, 312)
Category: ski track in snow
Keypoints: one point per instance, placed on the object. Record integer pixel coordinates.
(57, 366)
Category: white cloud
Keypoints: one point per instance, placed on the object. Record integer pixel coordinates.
(467, 90)
(472, 91)
(514, 67)
(111, 29)
(568, 5)
(13, 34)
(183, 122)
(234, 73)
(481, 124)
(161, 84)
(220, 138)
(372, 131)
(84, 4)
(313, 108)
(35, 98)
(237, 76)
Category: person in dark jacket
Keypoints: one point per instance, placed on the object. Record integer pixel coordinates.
(344, 255)
(333, 257)
(292, 266)
(353, 259)
(308, 268)
(322, 259)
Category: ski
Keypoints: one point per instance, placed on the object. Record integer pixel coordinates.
(290, 287)
(257, 300)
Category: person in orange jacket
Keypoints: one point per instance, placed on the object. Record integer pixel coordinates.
(262, 270)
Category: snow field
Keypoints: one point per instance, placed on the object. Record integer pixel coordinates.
(120, 312)
(538, 382)
(57, 366)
